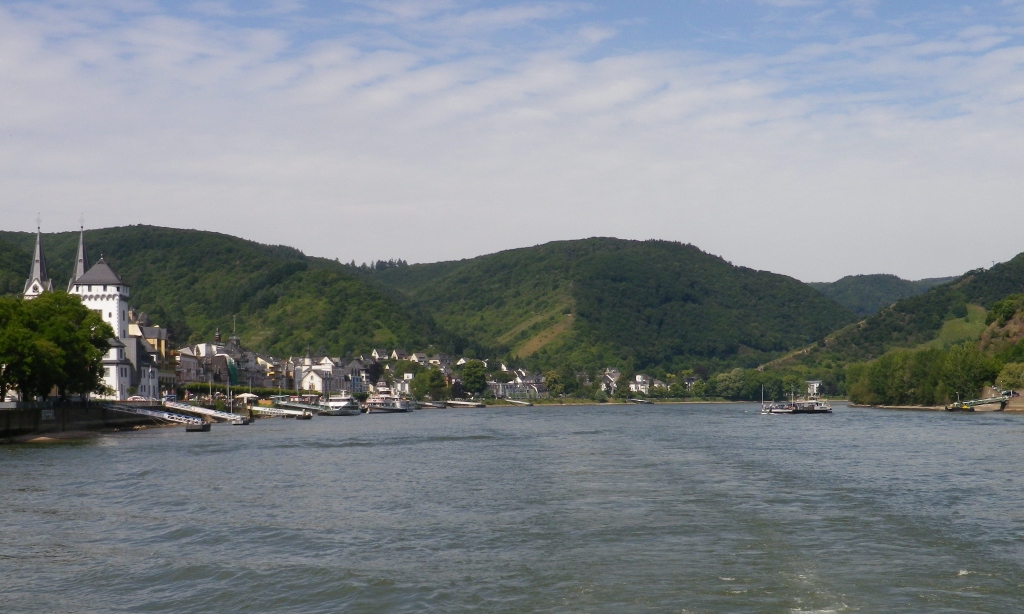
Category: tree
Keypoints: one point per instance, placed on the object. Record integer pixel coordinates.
(27, 361)
(1012, 376)
(429, 383)
(374, 370)
(79, 334)
(965, 370)
(474, 377)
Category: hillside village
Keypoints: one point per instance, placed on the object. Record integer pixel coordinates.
(144, 363)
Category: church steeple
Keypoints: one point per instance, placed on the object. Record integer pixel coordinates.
(81, 262)
(38, 280)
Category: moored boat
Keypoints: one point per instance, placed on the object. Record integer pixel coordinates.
(383, 400)
(343, 404)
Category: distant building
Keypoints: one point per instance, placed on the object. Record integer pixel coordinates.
(38, 280)
(814, 387)
(641, 384)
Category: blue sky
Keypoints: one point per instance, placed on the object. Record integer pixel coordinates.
(811, 138)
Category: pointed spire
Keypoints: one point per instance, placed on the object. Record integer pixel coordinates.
(81, 262)
(38, 280)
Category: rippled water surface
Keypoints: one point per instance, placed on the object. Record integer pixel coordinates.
(691, 508)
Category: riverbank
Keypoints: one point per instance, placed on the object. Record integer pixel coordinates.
(565, 402)
(62, 423)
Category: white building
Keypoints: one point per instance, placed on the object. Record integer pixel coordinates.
(103, 291)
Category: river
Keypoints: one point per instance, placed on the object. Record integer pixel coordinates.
(664, 508)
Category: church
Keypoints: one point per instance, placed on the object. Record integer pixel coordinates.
(129, 368)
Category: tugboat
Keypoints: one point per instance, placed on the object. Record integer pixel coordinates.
(383, 400)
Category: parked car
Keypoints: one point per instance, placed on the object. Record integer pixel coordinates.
(137, 398)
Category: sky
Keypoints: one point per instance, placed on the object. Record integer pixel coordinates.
(813, 138)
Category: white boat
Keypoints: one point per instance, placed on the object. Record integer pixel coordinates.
(340, 405)
(383, 400)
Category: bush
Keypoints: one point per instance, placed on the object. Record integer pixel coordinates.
(1012, 376)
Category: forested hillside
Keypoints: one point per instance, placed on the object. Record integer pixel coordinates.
(920, 319)
(864, 295)
(607, 301)
(586, 304)
(193, 282)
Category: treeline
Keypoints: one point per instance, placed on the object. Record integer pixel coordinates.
(379, 265)
(936, 377)
(52, 342)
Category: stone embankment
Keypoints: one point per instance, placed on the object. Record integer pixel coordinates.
(48, 423)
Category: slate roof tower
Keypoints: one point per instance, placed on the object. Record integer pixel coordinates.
(103, 291)
(81, 261)
(38, 280)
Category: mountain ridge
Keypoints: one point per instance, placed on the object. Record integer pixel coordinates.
(587, 303)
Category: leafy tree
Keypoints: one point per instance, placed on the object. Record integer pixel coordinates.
(456, 390)
(1005, 309)
(503, 376)
(474, 377)
(374, 371)
(966, 369)
(1012, 376)
(429, 383)
(51, 341)
(28, 362)
(81, 337)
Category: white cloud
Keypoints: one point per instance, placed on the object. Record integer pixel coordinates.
(868, 153)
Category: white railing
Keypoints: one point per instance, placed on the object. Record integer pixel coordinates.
(155, 413)
(213, 413)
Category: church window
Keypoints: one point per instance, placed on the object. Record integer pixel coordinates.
(104, 288)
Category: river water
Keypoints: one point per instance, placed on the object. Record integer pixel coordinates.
(666, 508)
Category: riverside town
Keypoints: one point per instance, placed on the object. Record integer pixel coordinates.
(118, 359)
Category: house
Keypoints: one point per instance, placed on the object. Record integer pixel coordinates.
(440, 360)
(187, 368)
(380, 355)
(813, 387)
(419, 358)
(641, 384)
(399, 354)
(403, 386)
(523, 386)
(356, 376)
(609, 380)
(689, 381)
(320, 380)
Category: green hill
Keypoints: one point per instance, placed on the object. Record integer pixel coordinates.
(587, 303)
(921, 319)
(193, 282)
(864, 295)
(608, 301)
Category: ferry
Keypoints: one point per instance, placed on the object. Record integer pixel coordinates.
(340, 405)
(384, 401)
(810, 405)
